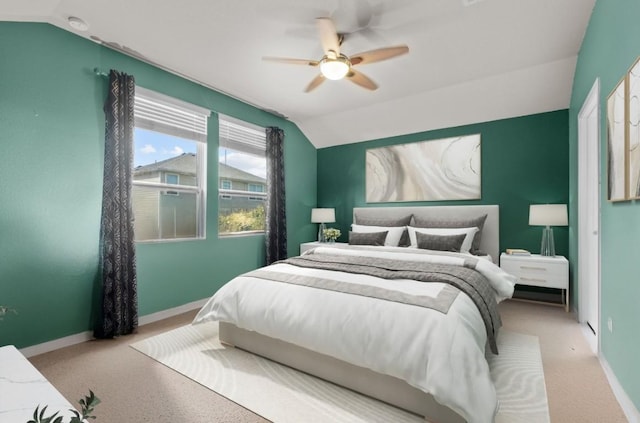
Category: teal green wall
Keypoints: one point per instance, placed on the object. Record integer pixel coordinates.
(610, 46)
(524, 161)
(52, 140)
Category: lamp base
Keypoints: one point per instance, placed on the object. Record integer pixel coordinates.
(547, 247)
(321, 237)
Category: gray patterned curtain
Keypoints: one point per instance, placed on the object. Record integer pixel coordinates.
(276, 233)
(119, 311)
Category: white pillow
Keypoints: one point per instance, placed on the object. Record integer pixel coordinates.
(393, 236)
(466, 244)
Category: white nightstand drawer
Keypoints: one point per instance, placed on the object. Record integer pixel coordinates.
(542, 280)
(552, 275)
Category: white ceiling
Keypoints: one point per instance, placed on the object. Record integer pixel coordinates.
(469, 61)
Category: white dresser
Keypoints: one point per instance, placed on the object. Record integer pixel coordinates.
(541, 271)
(23, 388)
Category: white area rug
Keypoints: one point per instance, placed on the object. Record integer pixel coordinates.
(283, 395)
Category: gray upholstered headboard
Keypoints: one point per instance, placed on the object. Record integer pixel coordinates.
(490, 241)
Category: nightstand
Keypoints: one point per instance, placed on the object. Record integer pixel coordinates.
(309, 245)
(541, 271)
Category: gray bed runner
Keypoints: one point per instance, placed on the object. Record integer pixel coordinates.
(465, 278)
(440, 303)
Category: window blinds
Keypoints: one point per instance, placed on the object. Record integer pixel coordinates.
(242, 136)
(157, 112)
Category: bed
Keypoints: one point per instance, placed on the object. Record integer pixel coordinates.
(382, 340)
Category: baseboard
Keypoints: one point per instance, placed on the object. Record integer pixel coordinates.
(628, 407)
(56, 344)
(165, 314)
(81, 337)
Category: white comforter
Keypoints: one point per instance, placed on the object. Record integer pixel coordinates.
(437, 353)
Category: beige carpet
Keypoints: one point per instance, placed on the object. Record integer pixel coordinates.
(577, 388)
(284, 395)
(134, 388)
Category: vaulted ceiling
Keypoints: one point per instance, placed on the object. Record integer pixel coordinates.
(469, 60)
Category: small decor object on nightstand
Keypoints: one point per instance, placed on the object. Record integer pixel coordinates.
(322, 216)
(517, 252)
(331, 234)
(548, 215)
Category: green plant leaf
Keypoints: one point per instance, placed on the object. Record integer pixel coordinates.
(88, 404)
(42, 412)
(50, 419)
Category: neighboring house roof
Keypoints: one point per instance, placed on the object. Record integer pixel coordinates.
(233, 173)
(185, 164)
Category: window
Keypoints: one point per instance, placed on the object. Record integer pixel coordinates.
(172, 179)
(225, 185)
(241, 160)
(169, 175)
(256, 188)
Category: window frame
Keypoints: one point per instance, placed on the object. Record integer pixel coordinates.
(247, 145)
(196, 131)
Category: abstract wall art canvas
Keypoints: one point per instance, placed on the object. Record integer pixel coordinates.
(444, 169)
(616, 143)
(633, 128)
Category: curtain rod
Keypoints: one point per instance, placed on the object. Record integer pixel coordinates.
(99, 72)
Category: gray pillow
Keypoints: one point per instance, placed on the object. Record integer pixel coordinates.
(383, 221)
(367, 238)
(478, 222)
(393, 222)
(440, 242)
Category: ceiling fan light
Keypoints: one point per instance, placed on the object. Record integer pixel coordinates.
(334, 68)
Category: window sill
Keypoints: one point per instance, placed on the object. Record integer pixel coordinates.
(168, 240)
(240, 234)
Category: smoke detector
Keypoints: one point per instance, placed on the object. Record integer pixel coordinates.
(77, 23)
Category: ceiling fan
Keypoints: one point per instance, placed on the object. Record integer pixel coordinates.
(335, 65)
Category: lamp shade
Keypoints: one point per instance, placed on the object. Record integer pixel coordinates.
(323, 215)
(548, 215)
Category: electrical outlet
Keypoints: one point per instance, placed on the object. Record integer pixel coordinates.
(610, 324)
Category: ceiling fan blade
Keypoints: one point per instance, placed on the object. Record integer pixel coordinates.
(378, 55)
(314, 83)
(328, 35)
(291, 61)
(361, 79)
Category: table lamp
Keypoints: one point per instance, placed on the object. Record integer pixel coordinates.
(548, 215)
(322, 216)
